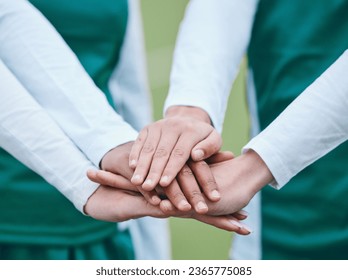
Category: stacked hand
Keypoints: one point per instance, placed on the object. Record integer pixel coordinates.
(175, 169)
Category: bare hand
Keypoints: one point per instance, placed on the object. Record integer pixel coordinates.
(163, 148)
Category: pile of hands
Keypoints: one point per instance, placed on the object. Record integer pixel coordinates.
(175, 169)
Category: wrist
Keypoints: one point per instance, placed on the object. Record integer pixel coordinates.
(188, 111)
(256, 171)
(119, 153)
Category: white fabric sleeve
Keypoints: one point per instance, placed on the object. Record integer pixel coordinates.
(311, 126)
(129, 82)
(48, 69)
(212, 40)
(29, 134)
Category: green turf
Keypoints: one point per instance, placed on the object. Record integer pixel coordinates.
(190, 239)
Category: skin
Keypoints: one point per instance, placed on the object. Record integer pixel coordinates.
(162, 149)
(184, 191)
(115, 186)
(247, 174)
(131, 205)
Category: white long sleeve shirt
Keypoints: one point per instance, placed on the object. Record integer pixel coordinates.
(29, 44)
(212, 40)
(51, 73)
(33, 137)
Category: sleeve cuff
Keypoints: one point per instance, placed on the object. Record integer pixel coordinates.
(274, 163)
(184, 98)
(108, 141)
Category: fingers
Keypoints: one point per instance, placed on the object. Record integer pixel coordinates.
(205, 179)
(178, 157)
(136, 148)
(176, 196)
(160, 159)
(150, 196)
(191, 190)
(207, 147)
(163, 148)
(117, 181)
(220, 157)
(113, 205)
(240, 215)
(226, 222)
(145, 158)
(110, 179)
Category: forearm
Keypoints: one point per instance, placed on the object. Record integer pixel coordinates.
(31, 136)
(48, 69)
(314, 124)
(211, 43)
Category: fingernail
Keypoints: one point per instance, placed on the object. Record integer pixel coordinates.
(156, 200)
(202, 206)
(247, 228)
(198, 154)
(215, 194)
(183, 205)
(133, 163)
(165, 179)
(148, 182)
(136, 178)
(238, 224)
(243, 212)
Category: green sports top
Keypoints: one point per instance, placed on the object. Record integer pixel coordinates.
(31, 210)
(293, 42)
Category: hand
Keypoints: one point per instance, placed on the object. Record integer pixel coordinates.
(115, 205)
(116, 161)
(163, 148)
(183, 192)
(190, 178)
(239, 180)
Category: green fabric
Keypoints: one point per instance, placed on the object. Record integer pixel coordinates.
(115, 247)
(32, 212)
(293, 42)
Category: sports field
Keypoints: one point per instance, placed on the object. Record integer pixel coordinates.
(190, 239)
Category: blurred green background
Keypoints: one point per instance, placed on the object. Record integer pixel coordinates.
(190, 239)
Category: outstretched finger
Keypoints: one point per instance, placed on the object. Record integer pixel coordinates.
(226, 222)
(205, 179)
(110, 179)
(178, 158)
(117, 181)
(191, 190)
(137, 147)
(146, 155)
(176, 196)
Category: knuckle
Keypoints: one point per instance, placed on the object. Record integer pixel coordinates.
(161, 152)
(201, 163)
(195, 193)
(186, 171)
(148, 148)
(177, 196)
(210, 183)
(178, 152)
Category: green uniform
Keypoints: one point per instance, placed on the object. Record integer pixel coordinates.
(36, 221)
(292, 43)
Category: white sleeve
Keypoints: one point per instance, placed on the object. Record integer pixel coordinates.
(212, 40)
(311, 126)
(48, 69)
(129, 82)
(29, 134)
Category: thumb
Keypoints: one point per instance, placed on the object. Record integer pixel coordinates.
(207, 147)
